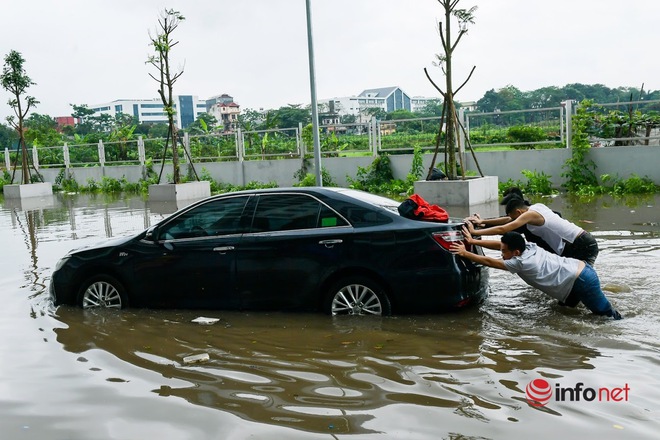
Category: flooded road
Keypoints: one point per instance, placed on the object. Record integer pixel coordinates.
(72, 374)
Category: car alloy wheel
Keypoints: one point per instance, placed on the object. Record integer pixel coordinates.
(358, 297)
(103, 292)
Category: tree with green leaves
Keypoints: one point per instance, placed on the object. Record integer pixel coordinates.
(123, 131)
(373, 112)
(8, 136)
(289, 116)
(41, 131)
(15, 80)
(449, 118)
(165, 76)
(431, 108)
(204, 124)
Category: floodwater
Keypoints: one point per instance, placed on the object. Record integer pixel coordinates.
(72, 374)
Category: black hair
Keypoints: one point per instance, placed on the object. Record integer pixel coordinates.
(514, 241)
(511, 193)
(515, 203)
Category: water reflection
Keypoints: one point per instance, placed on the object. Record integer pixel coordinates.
(309, 371)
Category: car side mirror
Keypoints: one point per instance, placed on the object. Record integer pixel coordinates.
(151, 234)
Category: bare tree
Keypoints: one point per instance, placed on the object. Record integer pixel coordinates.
(166, 77)
(449, 118)
(15, 81)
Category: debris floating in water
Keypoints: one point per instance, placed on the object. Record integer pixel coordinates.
(205, 321)
(202, 357)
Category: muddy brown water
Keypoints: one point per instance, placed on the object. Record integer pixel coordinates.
(72, 374)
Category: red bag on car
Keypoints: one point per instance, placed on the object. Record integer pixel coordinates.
(417, 208)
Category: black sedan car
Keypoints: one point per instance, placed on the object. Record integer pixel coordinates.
(338, 250)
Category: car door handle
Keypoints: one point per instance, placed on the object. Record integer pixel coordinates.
(223, 249)
(330, 243)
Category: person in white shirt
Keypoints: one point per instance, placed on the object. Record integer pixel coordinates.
(568, 280)
(563, 237)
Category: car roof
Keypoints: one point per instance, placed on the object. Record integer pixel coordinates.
(362, 196)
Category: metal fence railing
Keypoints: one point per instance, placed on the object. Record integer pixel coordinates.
(516, 128)
(638, 122)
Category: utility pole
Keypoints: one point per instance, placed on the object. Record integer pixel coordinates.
(312, 86)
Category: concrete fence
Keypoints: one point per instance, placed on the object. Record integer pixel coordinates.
(616, 161)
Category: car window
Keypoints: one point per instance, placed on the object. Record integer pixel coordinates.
(217, 217)
(362, 217)
(285, 212)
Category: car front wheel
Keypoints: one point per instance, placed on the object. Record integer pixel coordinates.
(102, 291)
(357, 296)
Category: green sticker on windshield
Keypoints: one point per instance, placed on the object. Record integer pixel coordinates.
(329, 221)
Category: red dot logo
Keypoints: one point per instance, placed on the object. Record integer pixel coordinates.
(539, 392)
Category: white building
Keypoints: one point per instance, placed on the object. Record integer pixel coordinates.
(387, 99)
(187, 109)
(419, 103)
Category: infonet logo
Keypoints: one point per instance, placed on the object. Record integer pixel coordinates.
(539, 393)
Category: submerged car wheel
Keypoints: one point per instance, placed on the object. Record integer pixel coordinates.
(357, 296)
(102, 291)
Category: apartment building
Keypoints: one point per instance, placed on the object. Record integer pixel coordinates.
(187, 109)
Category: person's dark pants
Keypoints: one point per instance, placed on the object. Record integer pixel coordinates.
(587, 291)
(584, 248)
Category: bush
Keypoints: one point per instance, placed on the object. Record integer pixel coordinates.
(525, 133)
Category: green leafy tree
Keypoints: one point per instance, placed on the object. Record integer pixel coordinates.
(83, 115)
(122, 133)
(90, 122)
(166, 77)
(431, 108)
(289, 116)
(155, 131)
(504, 99)
(400, 114)
(374, 112)
(8, 136)
(348, 119)
(41, 131)
(15, 80)
(579, 169)
(204, 124)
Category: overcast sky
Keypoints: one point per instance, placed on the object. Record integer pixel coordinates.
(94, 51)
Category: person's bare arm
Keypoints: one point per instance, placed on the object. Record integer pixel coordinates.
(523, 219)
(488, 244)
(487, 222)
(458, 248)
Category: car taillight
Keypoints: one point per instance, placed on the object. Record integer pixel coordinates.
(445, 239)
(463, 303)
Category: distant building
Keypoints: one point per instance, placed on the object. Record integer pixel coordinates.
(64, 121)
(419, 103)
(225, 110)
(187, 108)
(331, 119)
(361, 106)
(387, 99)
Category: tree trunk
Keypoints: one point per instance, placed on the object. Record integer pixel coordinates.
(176, 173)
(25, 169)
(450, 166)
